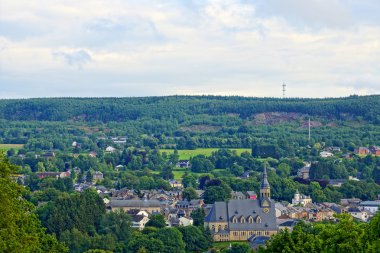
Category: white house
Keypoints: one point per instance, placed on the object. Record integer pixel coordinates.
(371, 206)
(110, 149)
(358, 214)
(326, 154)
(300, 199)
(185, 221)
(139, 221)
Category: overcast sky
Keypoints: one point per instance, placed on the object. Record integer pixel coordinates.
(94, 48)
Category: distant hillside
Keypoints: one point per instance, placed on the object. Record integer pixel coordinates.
(178, 107)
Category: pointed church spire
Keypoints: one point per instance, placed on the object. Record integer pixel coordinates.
(265, 187)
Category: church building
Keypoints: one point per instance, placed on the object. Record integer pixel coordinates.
(243, 219)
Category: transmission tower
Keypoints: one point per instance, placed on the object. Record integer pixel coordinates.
(283, 90)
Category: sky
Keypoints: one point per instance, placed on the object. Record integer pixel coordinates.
(124, 48)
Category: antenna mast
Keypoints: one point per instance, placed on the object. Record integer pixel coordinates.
(309, 129)
(283, 90)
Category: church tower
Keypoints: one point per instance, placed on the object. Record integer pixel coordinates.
(265, 187)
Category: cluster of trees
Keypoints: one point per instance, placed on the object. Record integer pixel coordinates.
(344, 236)
(80, 222)
(187, 123)
(20, 229)
(367, 168)
(123, 109)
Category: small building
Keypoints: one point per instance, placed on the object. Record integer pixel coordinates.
(110, 149)
(183, 164)
(182, 204)
(337, 182)
(175, 184)
(237, 195)
(371, 206)
(304, 172)
(301, 199)
(350, 202)
(362, 151)
(139, 221)
(281, 210)
(196, 203)
(185, 221)
(149, 206)
(358, 214)
(375, 150)
(119, 167)
(49, 155)
(76, 144)
(289, 225)
(245, 175)
(251, 195)
(119, 140)
(325, 154)
(92, 154)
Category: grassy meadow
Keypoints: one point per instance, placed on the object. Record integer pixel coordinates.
(6, 147)
(186, 154)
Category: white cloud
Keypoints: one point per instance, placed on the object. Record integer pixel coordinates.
(83, 48)
(77, 57)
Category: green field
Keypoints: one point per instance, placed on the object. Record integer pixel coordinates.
(6, 147)
(186, 154)
(178, 173)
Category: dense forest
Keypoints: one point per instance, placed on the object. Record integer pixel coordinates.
(145, 136)
(178, 107)
(188, 122)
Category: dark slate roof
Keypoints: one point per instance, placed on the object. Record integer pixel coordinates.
(245, 174)
(222, 232)
(265, 183)
(250, 207)
(289, 223)
(353, 209)
(183, 203)
(251, 193)
(134, 203)
(137, 218)
(370, 203)
(224, 211)
(259, 240)
(218, 212)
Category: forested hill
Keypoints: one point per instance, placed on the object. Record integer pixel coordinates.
(178, 107)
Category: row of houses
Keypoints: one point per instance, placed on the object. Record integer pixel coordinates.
(360, 210)
(372, 150)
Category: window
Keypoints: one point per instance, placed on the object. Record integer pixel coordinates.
(258, 219)
(242, 219)
(234, 220)
(250, 219)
